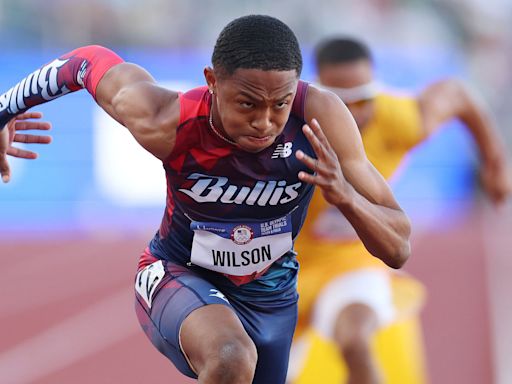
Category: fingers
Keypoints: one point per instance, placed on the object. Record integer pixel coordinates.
(22, 153)
(325, 166)
(27, 125)
(317, 130)
(32, 139)
(307, 177)
(317, 139)
(312, 164)
(309, 161)
(312, 133)
(320, 145)
(5, 171)
(29, 115)
(500, 195)
(313, 138)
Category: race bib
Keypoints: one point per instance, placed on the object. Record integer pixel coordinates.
(240, 249)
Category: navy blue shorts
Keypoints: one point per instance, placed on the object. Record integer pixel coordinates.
(167, 293)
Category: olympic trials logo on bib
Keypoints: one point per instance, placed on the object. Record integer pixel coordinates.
(242, 234)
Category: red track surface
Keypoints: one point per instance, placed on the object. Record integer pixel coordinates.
(67, 314)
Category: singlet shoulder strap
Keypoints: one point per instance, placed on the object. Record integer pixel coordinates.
(299, 103)
(194, 103)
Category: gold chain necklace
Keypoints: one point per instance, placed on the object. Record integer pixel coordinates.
(210, 120)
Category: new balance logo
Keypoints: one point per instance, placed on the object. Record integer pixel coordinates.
(283, 150)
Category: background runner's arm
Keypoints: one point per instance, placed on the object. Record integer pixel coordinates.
(448, 99)
(125, 91)
(350, 182)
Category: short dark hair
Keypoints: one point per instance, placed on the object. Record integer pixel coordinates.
(340, 50)
(257, 42)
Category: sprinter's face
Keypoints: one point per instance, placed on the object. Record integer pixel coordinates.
(251, 106)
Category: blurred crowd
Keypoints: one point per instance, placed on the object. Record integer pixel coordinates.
(478, 29)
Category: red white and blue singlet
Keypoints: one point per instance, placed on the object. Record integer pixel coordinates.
(232, 215)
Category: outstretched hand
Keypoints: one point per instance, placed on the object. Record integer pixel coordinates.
(496, 180)
(326, 167)
(10, 135)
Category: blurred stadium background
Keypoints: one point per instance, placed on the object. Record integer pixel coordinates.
(73, 222)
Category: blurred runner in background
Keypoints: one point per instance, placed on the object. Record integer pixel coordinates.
(346, 295)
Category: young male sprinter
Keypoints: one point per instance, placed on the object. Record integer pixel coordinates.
(346, 293)
(215, 289)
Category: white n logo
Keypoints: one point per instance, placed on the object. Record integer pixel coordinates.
(282, 150)
(147, 280)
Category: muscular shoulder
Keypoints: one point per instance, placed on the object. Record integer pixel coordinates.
(321, 102)
(150, 112)
(335, 120)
